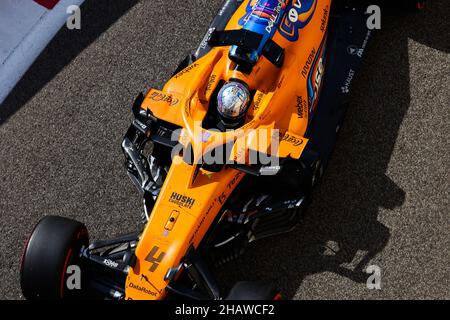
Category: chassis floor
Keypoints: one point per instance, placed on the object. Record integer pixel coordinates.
(384, 199)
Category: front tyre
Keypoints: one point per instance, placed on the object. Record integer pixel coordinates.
(54, 244)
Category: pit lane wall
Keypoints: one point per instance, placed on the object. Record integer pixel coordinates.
(26, 27)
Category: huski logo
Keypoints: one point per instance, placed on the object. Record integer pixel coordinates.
(181, 200)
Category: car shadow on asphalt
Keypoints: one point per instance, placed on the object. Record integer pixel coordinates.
(97, 17)
(341, 232)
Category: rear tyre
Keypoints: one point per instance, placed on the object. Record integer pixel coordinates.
(54, 244)
(251, 290)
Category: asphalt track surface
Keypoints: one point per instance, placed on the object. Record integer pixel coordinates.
(384, 199)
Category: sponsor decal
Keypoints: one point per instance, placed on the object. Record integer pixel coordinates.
(141, 126)
(211, 81)
(142, 289)
(186, 70)
(162, 97)
(197, 229)
(280, 83)
(273, 17)
(354, 50)
(224, 8)
(293, 140)
(364, 45)
(258, 99)
(264, 13)
(110, 263)
(302, 108)
(207, 37)
(346, 87)
(323, 21)
(187, 108)
(316, 75)
(308, 63)
(181, 200)
(234, 180)
(222, 198)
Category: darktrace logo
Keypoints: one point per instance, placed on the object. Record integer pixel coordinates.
(181, 200)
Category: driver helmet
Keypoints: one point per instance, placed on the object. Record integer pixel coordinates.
(233, 100)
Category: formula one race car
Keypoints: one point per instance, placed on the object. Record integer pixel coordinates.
(226, 153)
